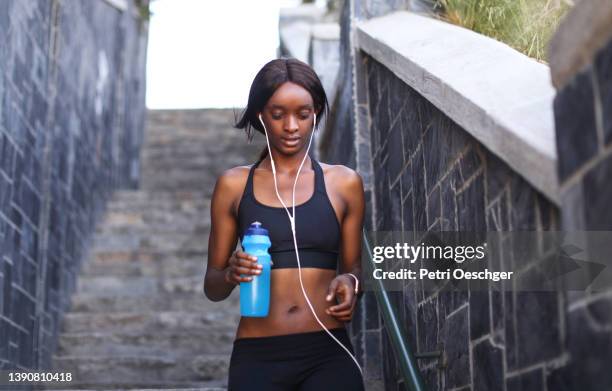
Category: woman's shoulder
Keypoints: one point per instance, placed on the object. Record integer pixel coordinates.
(234, 172)
(344, 178)
(233, 179)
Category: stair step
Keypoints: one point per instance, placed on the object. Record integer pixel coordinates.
(135, 385)
(195, 241)
(154, 368)
(148, 321)
(176, 302)
(179, 341)
(120, 263)
(159, 221)
(130, 387)
(112, 286)
(188, 153)
(200, 227)
(147, 208)
(180, 179)
(138, 213)
(142, 198)
(170, 267)
(144, 255)
(164, 159)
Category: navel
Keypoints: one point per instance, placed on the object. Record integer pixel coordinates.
(293, 308)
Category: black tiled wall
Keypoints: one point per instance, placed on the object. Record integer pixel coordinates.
(432, 175)
(71, 120)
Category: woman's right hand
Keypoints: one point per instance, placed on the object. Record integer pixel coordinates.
(242, 263)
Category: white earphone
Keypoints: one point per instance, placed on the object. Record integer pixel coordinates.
(292, 220)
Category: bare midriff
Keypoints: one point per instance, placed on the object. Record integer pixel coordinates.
(289, 311)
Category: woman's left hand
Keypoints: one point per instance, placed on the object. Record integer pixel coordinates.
(343, 288)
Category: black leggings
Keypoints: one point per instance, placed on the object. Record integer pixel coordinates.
(296, 362)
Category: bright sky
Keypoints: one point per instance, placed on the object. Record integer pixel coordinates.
(205, 53)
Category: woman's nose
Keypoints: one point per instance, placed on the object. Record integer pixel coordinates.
(291, 124)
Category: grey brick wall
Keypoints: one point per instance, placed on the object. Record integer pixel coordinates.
(423, 172)
(431, 175)
(583, 115)
(583, 118)
(72, 84)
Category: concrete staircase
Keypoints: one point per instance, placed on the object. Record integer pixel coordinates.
(139, 318)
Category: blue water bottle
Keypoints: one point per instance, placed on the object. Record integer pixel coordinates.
(255, 294)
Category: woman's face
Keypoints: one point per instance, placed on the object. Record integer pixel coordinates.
(289, 118)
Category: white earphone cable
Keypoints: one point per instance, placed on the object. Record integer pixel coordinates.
(292, 220)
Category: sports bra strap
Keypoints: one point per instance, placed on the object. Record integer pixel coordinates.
(319, 179)
(249, 185)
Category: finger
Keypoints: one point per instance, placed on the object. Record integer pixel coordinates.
(246, 256)
(246, 270)
(239, 278)
(346, 304)
(331, 290)
(242, 254)
(248, 263)
(337, 309)
(344, 317)
(347, 312)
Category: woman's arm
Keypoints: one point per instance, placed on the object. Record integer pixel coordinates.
(352, 226)
(223, 237)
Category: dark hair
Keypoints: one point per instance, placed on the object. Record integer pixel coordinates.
(268, 79)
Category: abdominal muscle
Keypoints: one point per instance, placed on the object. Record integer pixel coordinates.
(289, 312)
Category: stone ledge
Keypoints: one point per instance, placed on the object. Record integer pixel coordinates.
(586, 29)
(309, 13)
(326, 31)
(295, 37)
(295, 28)
(498, 95)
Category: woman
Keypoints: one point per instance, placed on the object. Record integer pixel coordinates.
(289, 349)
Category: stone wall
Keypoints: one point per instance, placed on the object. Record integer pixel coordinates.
(431, 175)
(72, 85)
(581, 69)
(337, 146)
(425, 172)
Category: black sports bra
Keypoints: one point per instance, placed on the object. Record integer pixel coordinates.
(316, 226)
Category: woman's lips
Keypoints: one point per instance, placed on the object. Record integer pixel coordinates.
(290, 142)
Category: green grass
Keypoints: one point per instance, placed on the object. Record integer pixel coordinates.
(525, 25)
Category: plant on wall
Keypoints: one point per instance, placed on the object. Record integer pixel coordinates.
(526, 25)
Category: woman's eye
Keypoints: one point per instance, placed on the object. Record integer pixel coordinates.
(302, 116)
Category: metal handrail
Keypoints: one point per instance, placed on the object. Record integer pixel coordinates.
(408, 367)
